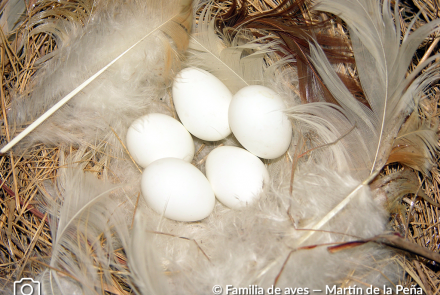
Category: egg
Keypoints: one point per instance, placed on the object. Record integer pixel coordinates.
(155, 136)
(202, 102)
(236, 175)
(258, 121)
(177, 189)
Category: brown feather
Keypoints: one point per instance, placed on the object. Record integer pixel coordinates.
(415, 145)
(289, 25)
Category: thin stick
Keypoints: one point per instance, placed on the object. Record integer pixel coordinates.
(2, 94)
(429, 51)
(184, 238)
(8, 51)
(125, 148)
(295, 162)
(63, 101)
(11, 208)
(423, 277)
(282, 268)
(296, 157)
(28, 206)
(31, 246)
(328, 144)
(5, 118)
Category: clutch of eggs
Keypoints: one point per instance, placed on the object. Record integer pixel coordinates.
(163, 146)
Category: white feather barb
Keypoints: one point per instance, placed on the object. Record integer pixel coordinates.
(238, 61)
(382, 62)
(175, 24)
(84, 213)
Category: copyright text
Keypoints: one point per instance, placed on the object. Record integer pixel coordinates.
(352, 290)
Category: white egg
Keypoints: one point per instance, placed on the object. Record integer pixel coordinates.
(236, 176)
(177, 189)
(202, 103)
(156, 136)
(258, 121)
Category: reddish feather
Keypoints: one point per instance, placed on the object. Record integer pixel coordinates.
(288, 24)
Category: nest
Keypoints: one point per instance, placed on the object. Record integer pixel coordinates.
(26, 241)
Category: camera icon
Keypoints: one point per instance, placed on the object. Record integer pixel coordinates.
(26, 286)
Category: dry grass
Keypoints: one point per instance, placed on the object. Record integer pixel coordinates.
(25, 234)
(419, 220)
(25, 241)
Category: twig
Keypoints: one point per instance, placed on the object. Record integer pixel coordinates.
(429, 51)
(184, 238)
(125, 148)
(423, 278)
(395, 241)
(282, 268)
(295, 158)
(28, 207)
(31, 246)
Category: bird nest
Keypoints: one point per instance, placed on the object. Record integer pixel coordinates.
(30, 38)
